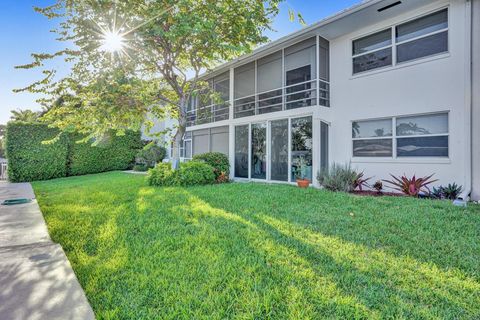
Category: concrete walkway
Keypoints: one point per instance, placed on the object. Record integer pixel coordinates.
(36, 279)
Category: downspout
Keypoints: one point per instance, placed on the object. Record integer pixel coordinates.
(465, 195)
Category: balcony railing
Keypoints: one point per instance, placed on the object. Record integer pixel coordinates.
(208, 114)
(293, 96)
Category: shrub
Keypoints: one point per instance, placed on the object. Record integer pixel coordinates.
(150, 155)
(338, 178)
(194, 173)
(161, 175)
(451, 191)
(30, 159)
(112, 153)
(410, 186)
(189, 174)
(219, 162)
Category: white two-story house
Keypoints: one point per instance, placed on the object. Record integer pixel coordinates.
(386, 85)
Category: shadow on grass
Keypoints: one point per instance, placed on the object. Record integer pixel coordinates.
(251, 251)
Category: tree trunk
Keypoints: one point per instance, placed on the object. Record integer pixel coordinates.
(177, 139)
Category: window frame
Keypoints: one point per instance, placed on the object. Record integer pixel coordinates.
(394, 138)
(395, 44)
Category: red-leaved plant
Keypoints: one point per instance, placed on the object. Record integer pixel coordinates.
(360, 181)
(411, 186)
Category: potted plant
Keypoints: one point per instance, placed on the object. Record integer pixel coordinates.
(301, 173)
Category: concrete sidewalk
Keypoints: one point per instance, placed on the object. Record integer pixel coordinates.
(36, 279)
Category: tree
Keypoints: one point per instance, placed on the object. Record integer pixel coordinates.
(134, 57)
(25, 115)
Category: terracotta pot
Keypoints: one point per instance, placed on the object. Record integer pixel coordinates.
(303, 183)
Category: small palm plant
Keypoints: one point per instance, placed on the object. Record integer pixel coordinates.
(411, 186)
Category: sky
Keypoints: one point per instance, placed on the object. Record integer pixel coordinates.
(23, 31)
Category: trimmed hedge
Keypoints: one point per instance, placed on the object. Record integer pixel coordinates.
(115, 153)
(29, 159)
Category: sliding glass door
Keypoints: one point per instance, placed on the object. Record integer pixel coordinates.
(241, 151)
(301, 153)
(259, 151)
(265, 146)
(279, 150)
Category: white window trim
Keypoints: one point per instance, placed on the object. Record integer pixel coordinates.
(394, 137)
(394, 44)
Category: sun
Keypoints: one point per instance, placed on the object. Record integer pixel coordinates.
(112, 42)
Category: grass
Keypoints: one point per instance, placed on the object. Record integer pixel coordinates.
(254, 251)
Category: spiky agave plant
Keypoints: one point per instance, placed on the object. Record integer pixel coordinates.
(360, 181)
(411, 186)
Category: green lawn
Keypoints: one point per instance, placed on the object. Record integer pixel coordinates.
(254, 251)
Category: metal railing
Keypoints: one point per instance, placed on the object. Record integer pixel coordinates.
(3, 170)
(208, 114)
(293, 96)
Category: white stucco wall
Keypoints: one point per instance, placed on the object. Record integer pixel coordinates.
(476, 100)
(423, 86)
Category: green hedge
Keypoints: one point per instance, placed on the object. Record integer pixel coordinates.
(115, 153)
(29, 159)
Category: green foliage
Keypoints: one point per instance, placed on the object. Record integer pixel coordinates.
(194, 173)
(218, 161)
(37, 152)
(411, 186)
(30, 159)
(169, 45)
(25, 116)
(338, 178)
(451, 191)
(189, 174)
(150, 155)
(161, 175)
(261, 251)
(113, 152)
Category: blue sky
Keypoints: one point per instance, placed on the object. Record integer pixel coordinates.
(24, 31)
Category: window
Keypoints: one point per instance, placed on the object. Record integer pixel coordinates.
(422, 37)
(414, 136)
(373, 51)
(221, 86)
(259, 151)
(269, 79)
(279, 150)
(301, 135)
(419, 38)
(244, 90)
(241, 151)
(422, 136)
(372, 138)
(300, 74)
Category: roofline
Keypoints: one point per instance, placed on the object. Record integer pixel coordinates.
(336, 16)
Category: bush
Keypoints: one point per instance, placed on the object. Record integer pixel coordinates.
(31, 159)
(28, 158)
(112, 153)
(150, 155)
(161, 175)
(219, 162)
(338, 178)
(194, 173)
(189, 174)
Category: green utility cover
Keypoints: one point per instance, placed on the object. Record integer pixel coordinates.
(11, 202)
